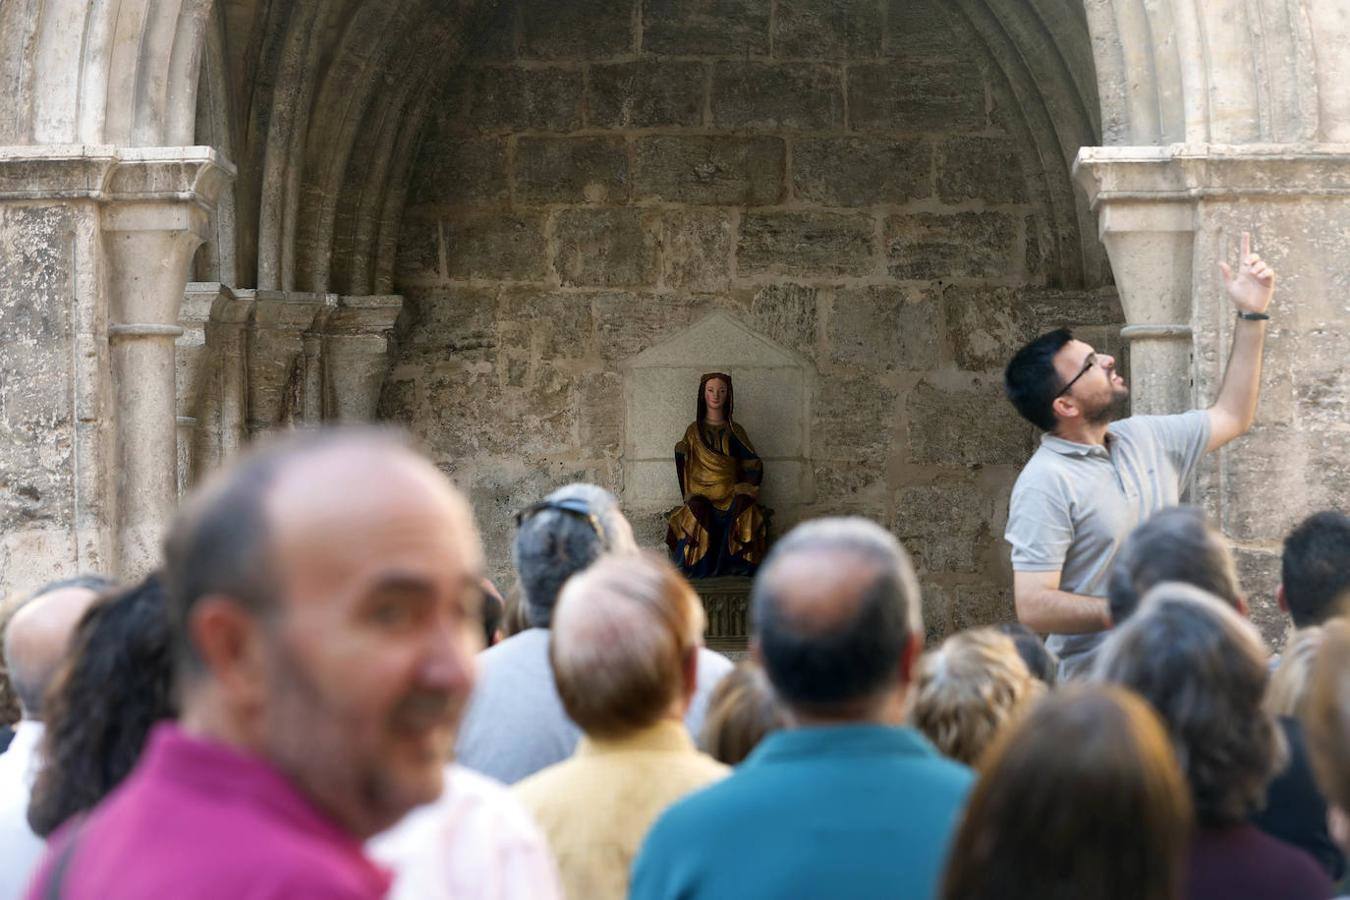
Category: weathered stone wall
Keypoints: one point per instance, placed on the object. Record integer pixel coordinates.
(53, 402)
(836, 175)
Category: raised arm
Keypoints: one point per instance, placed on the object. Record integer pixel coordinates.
(1043, 607)
(1250, 288)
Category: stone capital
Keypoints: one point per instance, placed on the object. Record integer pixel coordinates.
(1186, 173)
(105, 174)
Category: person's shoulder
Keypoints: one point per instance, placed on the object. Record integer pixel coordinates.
(1293, 869)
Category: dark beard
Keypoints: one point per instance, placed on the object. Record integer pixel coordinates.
(1118, 408)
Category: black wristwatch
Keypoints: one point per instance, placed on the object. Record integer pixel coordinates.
(1252, 317)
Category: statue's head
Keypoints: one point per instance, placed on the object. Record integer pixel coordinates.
(724, 396)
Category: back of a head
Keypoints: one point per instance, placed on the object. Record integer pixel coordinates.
(560, 536)
(1030, 380)
(1178, 545)
(117, 683)
(1041, 662)
(1315, 568)
(623, 633)
(1203, 668)
(1326, 717)
(835, 610)
(742, 711)
(1287, 694)
(37, 636)
(968, 689)
(1082, 797)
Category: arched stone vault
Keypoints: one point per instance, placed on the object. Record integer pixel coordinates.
(319, 106)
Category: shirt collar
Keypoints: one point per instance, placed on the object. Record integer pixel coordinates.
(202, 766)
(1073, 448)
(665, 736)
(860, 739)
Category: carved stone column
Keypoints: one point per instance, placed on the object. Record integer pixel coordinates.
(1149, 232)
(277, 361)
(213, 382)
(356, 355)
(194, 367)
(156, 212)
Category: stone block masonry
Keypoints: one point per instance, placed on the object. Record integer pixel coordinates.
(798, 165)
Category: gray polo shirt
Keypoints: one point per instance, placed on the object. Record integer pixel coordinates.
(516, 725)
(1075, 504)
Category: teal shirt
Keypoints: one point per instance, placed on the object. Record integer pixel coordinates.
(849, 811)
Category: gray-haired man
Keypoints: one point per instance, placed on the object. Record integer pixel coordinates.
(516, 724)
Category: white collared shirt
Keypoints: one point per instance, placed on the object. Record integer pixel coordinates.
(20, 849)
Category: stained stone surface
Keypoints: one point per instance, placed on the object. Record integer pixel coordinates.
(821, 180)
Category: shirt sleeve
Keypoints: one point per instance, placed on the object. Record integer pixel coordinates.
(1040, 530)
(1183, 437)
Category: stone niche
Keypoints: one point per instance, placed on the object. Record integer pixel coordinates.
(773, 389)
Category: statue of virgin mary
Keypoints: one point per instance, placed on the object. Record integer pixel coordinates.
(721, 528)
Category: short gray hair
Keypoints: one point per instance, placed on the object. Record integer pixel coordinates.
(1203, 668)
(1175, 544)
(623, 631)
(552, 545)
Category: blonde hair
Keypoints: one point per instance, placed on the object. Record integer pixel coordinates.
(743, 709)
(968, 689)
(1287, 693)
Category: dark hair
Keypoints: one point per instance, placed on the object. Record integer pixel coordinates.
(1176, 544)
(742, 711)
(1041, 662)
(1082, 797)
(1031, 381)
(1315, 567)
(702, 408)
(830, 669)
(116, 683)
(1203, 668)
(88, 581)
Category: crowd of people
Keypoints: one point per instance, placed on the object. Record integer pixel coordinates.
(319, 694)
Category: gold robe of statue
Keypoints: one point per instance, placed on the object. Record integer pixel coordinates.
(721, 528)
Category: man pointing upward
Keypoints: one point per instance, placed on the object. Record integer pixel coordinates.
(1094, 478)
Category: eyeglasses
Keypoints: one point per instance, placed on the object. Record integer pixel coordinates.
(573, 507)
(1087, 364)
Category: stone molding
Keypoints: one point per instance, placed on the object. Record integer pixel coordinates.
(107, 174)
(1184, 173)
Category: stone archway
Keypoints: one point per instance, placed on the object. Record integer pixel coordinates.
(321, 103)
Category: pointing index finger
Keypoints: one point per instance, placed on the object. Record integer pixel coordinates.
(1246, 244)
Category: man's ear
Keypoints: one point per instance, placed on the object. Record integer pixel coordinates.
(1065, 407)
(909, 657)
(228, 638)
(690, 666)
(1281, 599)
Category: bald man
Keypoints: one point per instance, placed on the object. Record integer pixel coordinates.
(35, 643)
(867, 807)
(324, 595)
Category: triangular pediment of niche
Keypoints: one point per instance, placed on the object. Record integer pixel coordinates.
(718, 339)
